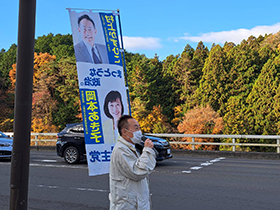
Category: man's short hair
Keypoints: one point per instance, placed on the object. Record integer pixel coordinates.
(123, 123)
(87, 18)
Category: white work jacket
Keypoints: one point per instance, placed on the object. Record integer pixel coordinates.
(129, 184)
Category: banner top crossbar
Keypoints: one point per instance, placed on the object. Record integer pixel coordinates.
(114, 11)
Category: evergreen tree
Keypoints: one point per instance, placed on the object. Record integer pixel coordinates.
(261, 100)
(243, 68)
(170, 87)
(197, 64)
(58, 45)
(7, 60)
(262, 118)
(211, 90)
(181, 73)
(276, 109)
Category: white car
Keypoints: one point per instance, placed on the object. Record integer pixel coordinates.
(6, 146)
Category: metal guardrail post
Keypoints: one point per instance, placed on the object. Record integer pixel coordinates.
(233, 146)
(193, 145)
(278, 148)
(36, 140)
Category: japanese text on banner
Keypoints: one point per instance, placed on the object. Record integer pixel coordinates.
(92, 117)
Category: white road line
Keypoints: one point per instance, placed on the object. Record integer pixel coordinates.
(72, 188)
(215, 160)
(49, 165)
(207, 163)
(195, 168)
(88, 189)
(46, 186)
(49, 161)
(56, 166)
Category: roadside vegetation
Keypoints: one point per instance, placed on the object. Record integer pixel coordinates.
(229, 89)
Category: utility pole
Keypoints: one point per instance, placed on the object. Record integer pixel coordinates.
(23, 106)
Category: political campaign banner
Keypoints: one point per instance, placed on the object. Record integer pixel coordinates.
(103, 93)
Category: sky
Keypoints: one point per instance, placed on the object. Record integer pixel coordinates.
(155, 27)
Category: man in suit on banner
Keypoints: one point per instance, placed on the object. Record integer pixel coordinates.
(87, 50)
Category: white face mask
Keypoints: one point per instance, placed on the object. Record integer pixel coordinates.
(136, 136)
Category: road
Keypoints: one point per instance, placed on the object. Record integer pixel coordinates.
(181, 183)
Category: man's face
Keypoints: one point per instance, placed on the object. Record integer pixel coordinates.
(133, 126)
(88, 31)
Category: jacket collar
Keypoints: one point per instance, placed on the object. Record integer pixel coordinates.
(126, 143)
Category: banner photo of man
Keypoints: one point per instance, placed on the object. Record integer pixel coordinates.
(103, 93)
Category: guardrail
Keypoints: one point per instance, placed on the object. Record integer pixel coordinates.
(36, 137)
(193, 136)
(233, 137)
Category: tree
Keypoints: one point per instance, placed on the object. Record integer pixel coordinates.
(170, 87)
(243, 64)
(181, 71)
(244, 68)
(58, 45)
(55, 92)
(212, 86)
(262, 118)
(66, 92)
(39, 60)
(154, 122)
(272, 40)
(197, 65)
(145, 80)
(6, 93)
(201, 120)
(261, 100)
(7, 60)
(235, 120)
(276, 108)
(61, 83)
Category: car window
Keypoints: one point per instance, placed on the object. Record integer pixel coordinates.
(77, 129)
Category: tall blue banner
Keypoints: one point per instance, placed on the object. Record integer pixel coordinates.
(103, 93)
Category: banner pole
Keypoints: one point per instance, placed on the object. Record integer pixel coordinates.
(124, 65)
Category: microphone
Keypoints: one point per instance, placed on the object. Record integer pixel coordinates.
(144, 138)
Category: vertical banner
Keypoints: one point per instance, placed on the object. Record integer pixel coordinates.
(103, 93)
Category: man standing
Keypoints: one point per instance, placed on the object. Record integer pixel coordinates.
(129, 185)
(87, 50)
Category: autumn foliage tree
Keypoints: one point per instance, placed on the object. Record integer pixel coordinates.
(153, 122)
(42, 102)
(200, 120)
(39, 60)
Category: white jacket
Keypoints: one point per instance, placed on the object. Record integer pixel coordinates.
(129, 185)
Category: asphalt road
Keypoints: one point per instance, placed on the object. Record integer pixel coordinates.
(181, 183)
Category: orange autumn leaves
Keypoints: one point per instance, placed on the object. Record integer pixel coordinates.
(200, 120)
(39, 60)
(41, 122)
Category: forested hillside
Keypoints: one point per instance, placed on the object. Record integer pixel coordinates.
(229, 89)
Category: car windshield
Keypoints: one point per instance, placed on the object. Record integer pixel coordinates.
(2, 134)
